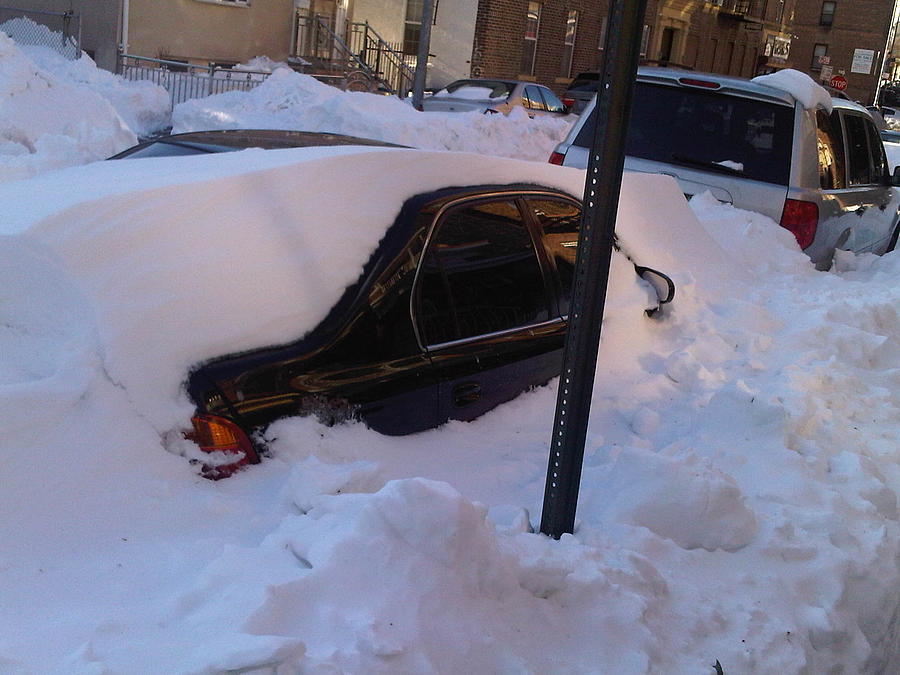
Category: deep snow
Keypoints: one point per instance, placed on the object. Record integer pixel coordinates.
(738, 498)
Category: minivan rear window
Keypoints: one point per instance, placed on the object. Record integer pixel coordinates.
(709, 131)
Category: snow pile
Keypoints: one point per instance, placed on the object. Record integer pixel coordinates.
(799, 85)
(289, 100)
(53, 119)
(145, 107)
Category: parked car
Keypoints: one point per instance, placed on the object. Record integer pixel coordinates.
(462, 306)
(823, 176)
(497, 96)
(581, 90)
(230, 140)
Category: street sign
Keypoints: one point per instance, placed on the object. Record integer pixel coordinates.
(824, 60)
(862, 61)
(838, 82)
(827, 72)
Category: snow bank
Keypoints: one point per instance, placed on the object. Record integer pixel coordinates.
(799, 85)
(289, 100)
(58, 113)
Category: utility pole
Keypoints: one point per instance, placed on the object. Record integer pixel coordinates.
(598, 221)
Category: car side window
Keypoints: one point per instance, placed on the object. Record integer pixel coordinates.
(479, 275)
(536, 102)
(559, 221)
(552, 102)
(859, 165)
(830, 144)
(876, 146)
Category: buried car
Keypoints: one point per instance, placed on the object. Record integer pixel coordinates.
(462, 306)
(495, 96)
(401, 287)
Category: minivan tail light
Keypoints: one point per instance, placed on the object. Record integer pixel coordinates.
(556, 158)
(802, 219)
(694, 82)
(217, 434)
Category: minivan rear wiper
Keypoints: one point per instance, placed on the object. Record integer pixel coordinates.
(706, 164)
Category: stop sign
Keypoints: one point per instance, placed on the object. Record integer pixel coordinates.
(839, 82)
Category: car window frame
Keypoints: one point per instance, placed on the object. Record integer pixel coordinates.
(548, 275)
(866, 121)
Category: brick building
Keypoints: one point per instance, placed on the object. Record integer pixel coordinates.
(551, 41)
(852, 36)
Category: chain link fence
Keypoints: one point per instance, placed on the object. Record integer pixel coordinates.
(60, 31)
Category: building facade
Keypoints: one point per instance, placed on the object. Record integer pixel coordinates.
(219, 32)
(558, 40)
(843, 39)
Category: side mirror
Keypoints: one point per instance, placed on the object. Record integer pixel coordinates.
(895, 177)
(662, 284)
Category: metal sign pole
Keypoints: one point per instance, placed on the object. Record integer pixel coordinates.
(418, 92)
(598, 221)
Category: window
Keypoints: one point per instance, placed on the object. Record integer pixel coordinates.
(603, 23)
(480, 275)
(876, 147)
(533, 98)
(412, 27)
(645, 40)
(708, 130)
(559, 221)
(859, 166)
(529, 46)
(827, 16)
(818, 51)
(565, 69)
(830, 143)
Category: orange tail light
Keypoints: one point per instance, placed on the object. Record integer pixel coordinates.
(217, 434)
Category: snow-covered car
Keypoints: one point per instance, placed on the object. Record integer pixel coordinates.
(811, 162)
(230, 140)
(495, 96)
(462, 305)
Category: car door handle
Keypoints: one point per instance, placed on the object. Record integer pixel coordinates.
(466, 393)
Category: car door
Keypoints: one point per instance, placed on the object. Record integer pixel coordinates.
(483, 309)
(858, 207)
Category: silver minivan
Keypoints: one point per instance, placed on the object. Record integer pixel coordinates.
(823, 176)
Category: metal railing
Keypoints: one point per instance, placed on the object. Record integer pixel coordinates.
(60, 31)
(350, 52)
(185, 81)
(387, 61)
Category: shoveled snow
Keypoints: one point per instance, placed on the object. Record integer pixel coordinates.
(289, 100)
(739, 495)
(57, 112)
(799, 85)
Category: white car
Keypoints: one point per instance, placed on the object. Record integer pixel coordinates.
(495, 96)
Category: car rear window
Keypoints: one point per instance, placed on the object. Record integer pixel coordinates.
(477, 89)
(709, 131)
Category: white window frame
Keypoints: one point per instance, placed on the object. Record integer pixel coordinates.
(533, 40)
(569, 43)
